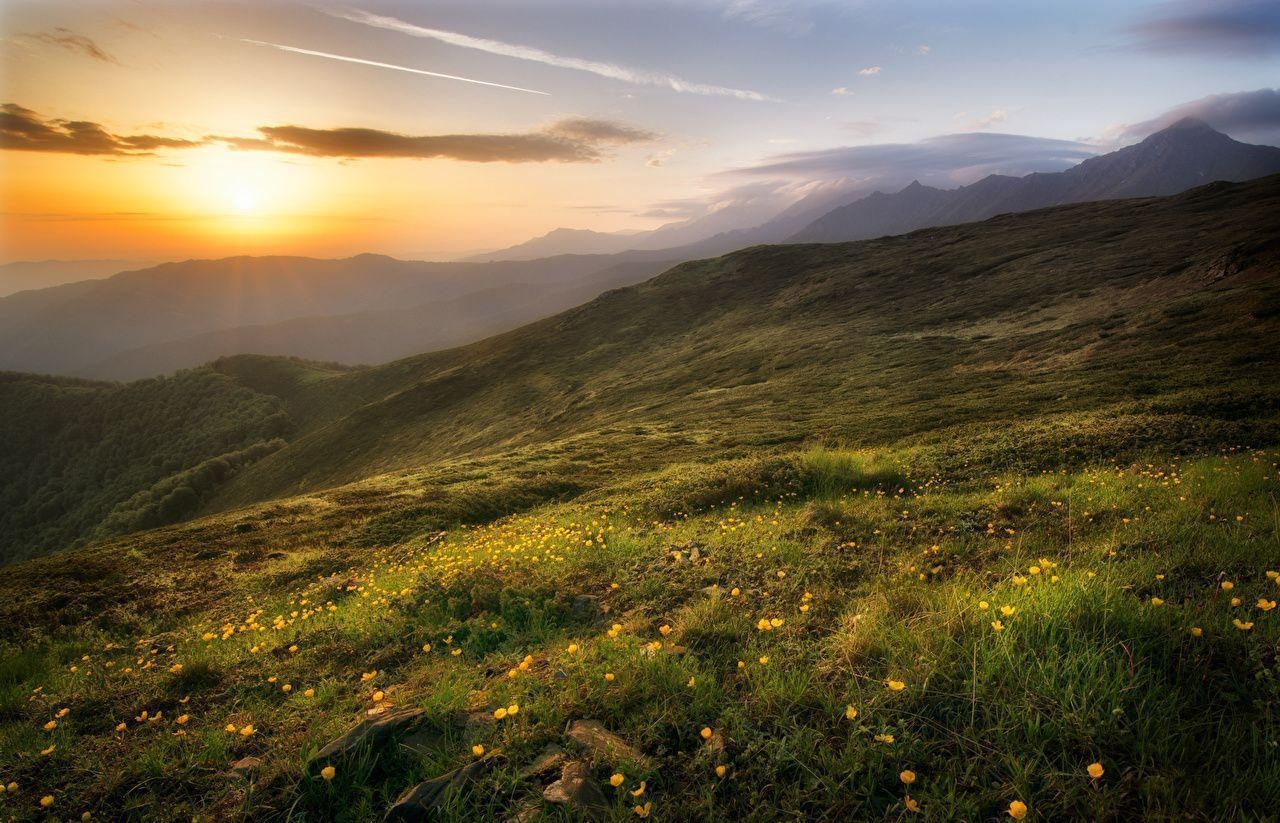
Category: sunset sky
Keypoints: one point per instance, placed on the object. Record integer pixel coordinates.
(146, 131)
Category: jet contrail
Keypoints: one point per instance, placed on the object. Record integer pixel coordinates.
(313, 53)
(610, 70)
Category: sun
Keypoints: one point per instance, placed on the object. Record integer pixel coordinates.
(245, 199)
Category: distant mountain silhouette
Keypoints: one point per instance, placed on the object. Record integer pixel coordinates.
(43, 274)
(1186, 154)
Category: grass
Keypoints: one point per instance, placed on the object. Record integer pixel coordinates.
(875, 571)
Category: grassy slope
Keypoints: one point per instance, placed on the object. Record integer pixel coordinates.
(1055, 444)
(1068, 309)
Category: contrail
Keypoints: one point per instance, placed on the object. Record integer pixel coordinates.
(313, 53)
(610, 70)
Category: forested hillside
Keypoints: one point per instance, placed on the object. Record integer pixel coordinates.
(81, 459)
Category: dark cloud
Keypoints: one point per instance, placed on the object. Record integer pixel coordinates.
(946, 160)
(1246, 115)
(577, 140)
(22, 129)
(1233, 28)
(69, 40)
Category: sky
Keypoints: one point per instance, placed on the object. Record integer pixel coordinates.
(143, 130)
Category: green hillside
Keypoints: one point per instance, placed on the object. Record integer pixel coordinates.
(968, 524)
(1066, 309)
(80, 459)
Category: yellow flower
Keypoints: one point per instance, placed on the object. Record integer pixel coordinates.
(182, 719)
(983, 605)
(63, 712)
(378, 696)
(477, 750)
(1095, 770)
(895, 685)
(907, 776)
(639, 789)
(764, 660)
(706, 732)
(456, 652)
(616, 779)
(1243, 626)
(911, 803)
(286, 688)
(245, 731)
(1155, 601)
(850, 712)
(573, 648)
(1008, 611)
(367, 676)
(49, 750)
(328, 772)
(46, 801)
(51, 725)
(230, 727)
(309, 693)
(997, 625)
(643, 811)
(1235, 601)
(1196, 631)
(664, 629)
(499, 713)
(720, 770)
(121, 727)
(1266, 605)
(426, 647)
(608, 677)
(1227, 585)
(735, 591)
(884, 738)
(1017, 810)
(513, 710)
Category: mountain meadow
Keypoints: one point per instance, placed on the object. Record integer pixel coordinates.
(977, 522)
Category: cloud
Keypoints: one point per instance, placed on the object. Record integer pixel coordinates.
(869, 71)
(923, 48)
(841, 91)
(572, 140)
(996, 117)
(375, 63)
(609, 70)
(1231, 28)
(22, 129)
(1249, 115)
(953, 159)
(67, 39)
(577, 140)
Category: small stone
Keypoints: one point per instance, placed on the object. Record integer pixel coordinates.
(423, 800)
(371, 732)
(551, 759)
(607, 746)
(578, 791)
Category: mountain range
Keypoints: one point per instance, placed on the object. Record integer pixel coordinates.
(374, 309)
(1187, 153)
(1165, 305)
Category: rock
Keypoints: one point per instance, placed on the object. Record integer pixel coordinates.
(578, 791)
(425, 741)
(244, 765)
(551, 759)
(368, 733)
(586, 605)
(527, 813)
(607, 746)
(420, 802)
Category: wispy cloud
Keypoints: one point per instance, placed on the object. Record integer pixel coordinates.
(67, 39)
(1232, 28)
(869, 71)
(841, 91)
(375, 63)
(787, 17)
(610, 70)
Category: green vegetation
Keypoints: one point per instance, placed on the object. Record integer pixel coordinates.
(81, 459)
(990, 505)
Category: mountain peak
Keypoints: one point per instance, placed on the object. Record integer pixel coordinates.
(1186, 128)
